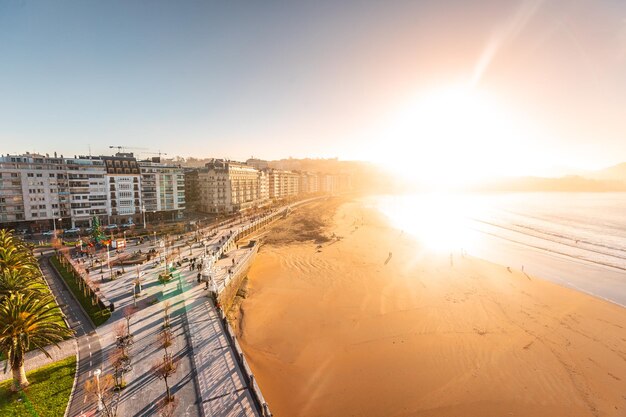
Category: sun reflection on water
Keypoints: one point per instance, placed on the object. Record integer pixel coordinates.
(440, 221)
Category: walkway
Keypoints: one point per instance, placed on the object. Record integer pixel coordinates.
(89, 349)
(223, 387)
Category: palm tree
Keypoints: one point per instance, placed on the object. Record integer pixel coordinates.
(27, 321)
(14, 281)
(15, 254)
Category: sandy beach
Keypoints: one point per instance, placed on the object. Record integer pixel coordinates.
(347, 316)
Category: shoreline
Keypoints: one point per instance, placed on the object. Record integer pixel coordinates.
(335, 330)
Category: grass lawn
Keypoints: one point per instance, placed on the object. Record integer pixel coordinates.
(97, 315)
(46, 396)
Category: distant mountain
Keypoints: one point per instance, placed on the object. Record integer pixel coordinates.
(615, 173)
(571, 183)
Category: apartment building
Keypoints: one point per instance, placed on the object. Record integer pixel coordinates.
(85, 178)
(227, 187)
(124, 192)
(264, 186)
(283, 184)
(34, 189)
(308, 183)
(162, 188)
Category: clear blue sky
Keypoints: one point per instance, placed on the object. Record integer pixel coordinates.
(278, 79)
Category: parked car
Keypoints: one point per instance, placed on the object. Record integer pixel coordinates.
(127, 225)
(48, 233)
(72, 230)
(111, 226)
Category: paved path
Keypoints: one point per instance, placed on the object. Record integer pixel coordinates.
(89, 349)
(223, 388)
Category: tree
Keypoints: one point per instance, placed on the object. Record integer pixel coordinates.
(15, 254)
(166, 314)
(96, 231)
(129, 312)
(28, 321)
(103, 391)
(123, 339)
(120, 363)
(163, 369)
(16, 280)
(165, 339)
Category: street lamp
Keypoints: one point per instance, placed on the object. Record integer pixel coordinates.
(143, 210)
(97, 373)
(124, 250)
(109, 263)
(54, 225)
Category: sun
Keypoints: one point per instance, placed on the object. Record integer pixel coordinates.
(453, 136)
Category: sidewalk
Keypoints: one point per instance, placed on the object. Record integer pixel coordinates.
(223, 388)
(36, 359)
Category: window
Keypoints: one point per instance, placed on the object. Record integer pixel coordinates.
(30, 174)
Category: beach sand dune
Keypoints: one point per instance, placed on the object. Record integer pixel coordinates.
(335, 326)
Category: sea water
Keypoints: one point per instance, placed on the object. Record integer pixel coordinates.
(574, 239)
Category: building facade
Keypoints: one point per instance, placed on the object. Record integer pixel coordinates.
(228, 187)
(283, 184)
(35, 189)
(162, 188)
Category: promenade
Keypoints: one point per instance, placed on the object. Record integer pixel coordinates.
(212, 378)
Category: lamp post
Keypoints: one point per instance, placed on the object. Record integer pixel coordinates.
(123, 271)
(54, 225)
(154, 234)
(109, 263)
(143, 210)
(97, 373)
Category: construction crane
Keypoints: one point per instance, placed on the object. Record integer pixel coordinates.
(124, 148)
(154, 153)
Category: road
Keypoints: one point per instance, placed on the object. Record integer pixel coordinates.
(89, 348)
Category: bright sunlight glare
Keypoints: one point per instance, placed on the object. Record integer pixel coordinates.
(456, 136)
(440, 221)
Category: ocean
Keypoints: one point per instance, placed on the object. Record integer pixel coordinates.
(574, 239)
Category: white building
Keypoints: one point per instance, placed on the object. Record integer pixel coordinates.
(162, 187)
(283, 184)
(228, 187)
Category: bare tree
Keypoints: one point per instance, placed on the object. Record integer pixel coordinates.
(103, 391)
(166, 314)
(129, 312)
(165, 339)
(163, 369)
(123, 339)
(120, 363)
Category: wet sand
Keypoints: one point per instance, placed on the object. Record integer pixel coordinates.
(345, 329)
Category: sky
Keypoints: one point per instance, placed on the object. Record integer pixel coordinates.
(491, 86)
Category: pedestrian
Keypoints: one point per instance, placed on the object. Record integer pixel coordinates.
(199, 275)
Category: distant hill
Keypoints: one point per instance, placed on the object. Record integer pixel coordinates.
(615, 173)
(571, 183)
